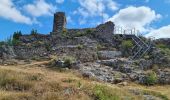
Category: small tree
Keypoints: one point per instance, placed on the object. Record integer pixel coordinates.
(17, 34)
(34, 32)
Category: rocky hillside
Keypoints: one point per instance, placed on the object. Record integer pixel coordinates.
(38, 81)
(99, 53)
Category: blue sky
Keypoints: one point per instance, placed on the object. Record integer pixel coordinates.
(151, 17)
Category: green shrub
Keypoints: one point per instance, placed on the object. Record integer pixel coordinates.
(166, 51)
(68, 61)
(80, 46)
(127, 44)
(15, 41)
(151, 78)
(2, 43)
(89, 31)
(104, 93)
(162, 46)
(64, 33)
(17, 34)
(127, 47)
(79, 34)
(34, 32)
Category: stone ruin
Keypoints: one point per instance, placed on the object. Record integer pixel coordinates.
(59, 23)
(96, 48)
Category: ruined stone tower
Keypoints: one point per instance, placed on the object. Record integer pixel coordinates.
(59, 23)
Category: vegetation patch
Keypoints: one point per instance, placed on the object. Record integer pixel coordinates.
(104, 93)
(11, 80)
(151, 78)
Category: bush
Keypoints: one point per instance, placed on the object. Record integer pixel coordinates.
(162, 46)
(166, 51)
(151, 78)
(2, 43)
(68, 61)
(64, 33)
(127, 48)
(80, 46)
(15, 41)
(104, 93)
(127, 44)
(34, 32)
(79, 34)
(16, 35)
(89, 31)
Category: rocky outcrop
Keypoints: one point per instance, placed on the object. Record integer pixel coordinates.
(104, 32)
(23, 52)
(109, 54)
(102, 73)
(7, 52)
(159, 58)
(80, 52)
(164, 77)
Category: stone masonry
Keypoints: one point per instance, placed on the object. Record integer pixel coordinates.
(59, 22)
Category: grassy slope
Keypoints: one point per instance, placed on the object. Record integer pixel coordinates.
(31, 82)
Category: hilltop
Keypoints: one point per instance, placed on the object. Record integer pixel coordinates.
(103, 57)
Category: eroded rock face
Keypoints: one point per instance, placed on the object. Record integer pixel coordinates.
(145, 64)
(81, 53)
(160, 58)
(109, 54)
(102, 73)
(7, 52)
(164, 77)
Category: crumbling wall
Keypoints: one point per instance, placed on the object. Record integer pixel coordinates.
(33, 38)
(105, 32)
(23, 52)
(84, 54)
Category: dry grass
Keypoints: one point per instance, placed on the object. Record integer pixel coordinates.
(31, 82)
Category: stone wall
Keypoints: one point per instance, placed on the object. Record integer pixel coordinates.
(104, 32)
(84, 54)
(7, 52)
(33, 38)
(30, 52)
(73, 41)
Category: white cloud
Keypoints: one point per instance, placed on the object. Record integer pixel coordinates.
(40, 8)
(135, 17)
(112, 5)
(163, 32)
(95, 8)
(10, 12)
(59, 1)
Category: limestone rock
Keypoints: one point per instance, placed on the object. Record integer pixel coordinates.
(109, 54)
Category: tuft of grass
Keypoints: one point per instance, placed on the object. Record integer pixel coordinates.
(15, 96)
(12, 80)
(104, 93)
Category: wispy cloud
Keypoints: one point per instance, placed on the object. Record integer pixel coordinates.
(10, 12)
(40, 8)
